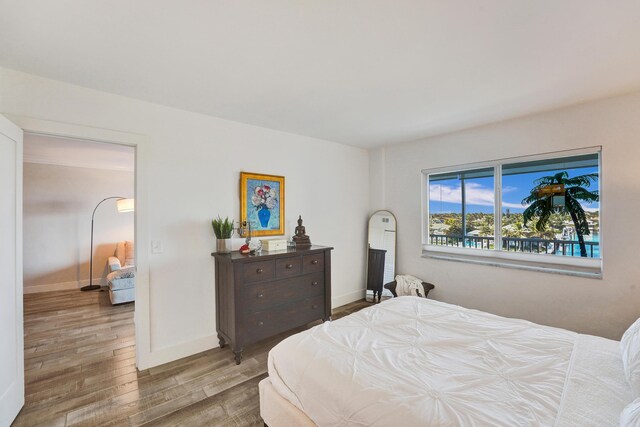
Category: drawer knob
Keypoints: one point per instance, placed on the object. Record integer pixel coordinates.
(259, 271)
(289, 266)
(260, 323)
(314, 283)
(314, 306)
(314, 262)
(260, 295)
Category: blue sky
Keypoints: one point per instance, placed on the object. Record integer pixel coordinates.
(445, 195)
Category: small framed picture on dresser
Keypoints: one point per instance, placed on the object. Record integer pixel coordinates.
(262, 203)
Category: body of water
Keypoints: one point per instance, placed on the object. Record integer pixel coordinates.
(576, 247)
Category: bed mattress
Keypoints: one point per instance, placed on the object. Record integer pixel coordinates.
(411, 361)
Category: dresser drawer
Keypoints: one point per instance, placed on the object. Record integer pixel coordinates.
(288, 267)
(258, 270)
(264, 324)
(261, 296)
(312, 263)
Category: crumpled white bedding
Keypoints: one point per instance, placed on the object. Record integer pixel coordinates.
(407, 285)
(410, 361)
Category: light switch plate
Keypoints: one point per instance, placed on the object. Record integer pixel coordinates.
(156, 247)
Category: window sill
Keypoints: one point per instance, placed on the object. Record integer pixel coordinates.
(569, 270)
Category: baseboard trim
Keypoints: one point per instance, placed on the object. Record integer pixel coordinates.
(50, 287)
(164, 355)
(347, 298)
(12, 400)
(175, 352)
(62, 286)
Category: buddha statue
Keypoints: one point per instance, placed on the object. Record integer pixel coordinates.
(300, 238)
(300, 229)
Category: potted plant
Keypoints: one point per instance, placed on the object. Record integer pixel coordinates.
(223, 229)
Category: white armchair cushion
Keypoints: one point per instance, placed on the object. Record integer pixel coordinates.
(114, 264)
(124, 278)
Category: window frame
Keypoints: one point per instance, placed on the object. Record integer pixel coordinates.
(590, 267)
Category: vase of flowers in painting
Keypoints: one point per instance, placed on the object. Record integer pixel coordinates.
(264, 199)
(263, 215)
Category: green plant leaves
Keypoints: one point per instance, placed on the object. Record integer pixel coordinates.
(222, 228)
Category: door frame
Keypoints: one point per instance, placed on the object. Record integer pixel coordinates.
(140, 143)
(17, 387)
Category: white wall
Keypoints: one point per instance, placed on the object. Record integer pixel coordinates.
(58, 201)
(601, 307)
(193, 170)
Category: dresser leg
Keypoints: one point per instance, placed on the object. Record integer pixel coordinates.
(326, 319)
(238, 354)
(221, 341)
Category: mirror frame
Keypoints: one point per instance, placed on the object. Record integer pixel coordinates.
(395, 252)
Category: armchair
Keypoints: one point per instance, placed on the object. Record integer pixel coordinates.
(122, 277)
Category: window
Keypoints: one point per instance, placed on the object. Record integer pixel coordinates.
(462, 201)
(544, 209)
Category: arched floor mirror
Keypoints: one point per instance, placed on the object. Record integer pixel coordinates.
(381, 254)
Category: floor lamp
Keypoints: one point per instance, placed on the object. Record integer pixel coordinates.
(123, 205)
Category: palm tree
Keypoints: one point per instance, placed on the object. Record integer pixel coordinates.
(575, 191)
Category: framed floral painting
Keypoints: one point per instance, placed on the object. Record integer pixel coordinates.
(262, 203)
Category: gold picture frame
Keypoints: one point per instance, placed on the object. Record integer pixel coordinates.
(262, 203)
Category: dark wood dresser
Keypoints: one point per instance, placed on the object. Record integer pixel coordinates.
(375, 272)
(258, 296)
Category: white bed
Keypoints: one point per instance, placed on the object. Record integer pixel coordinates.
(411, 361)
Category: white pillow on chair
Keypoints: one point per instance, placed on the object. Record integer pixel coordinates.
(630, 349)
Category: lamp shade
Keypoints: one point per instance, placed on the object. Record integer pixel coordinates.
(125, 205)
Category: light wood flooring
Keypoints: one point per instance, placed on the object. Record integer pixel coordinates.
(80, 370)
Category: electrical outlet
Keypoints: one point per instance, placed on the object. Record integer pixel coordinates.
(156, 247)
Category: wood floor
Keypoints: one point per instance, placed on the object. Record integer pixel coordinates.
(80, 371)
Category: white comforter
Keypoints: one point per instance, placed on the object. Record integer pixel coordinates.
(416, 362)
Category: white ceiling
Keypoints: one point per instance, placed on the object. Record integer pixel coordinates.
(361, 72)
(72, 152)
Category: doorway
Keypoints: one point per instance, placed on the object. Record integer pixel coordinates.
(12, 128)
(78, 266)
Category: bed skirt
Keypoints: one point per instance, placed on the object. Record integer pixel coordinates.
(276, 411)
